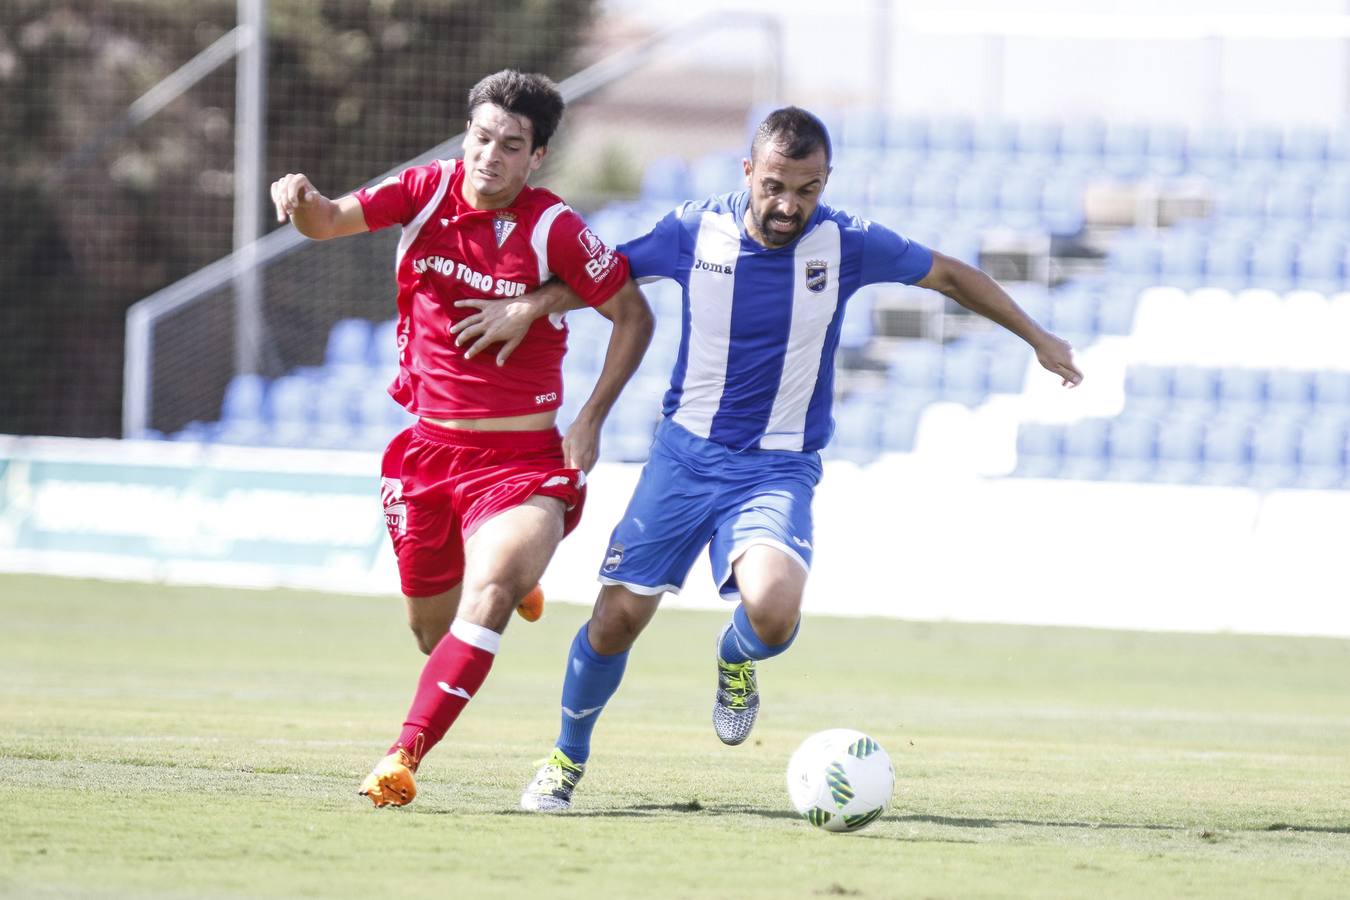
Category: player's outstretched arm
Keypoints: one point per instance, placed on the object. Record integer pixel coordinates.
(314, 215)
(979, 293)
(506, 322)
(633, 324)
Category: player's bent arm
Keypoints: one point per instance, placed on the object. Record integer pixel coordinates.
(633, 324)
(981, 294)
(506, 322)
(314, 215)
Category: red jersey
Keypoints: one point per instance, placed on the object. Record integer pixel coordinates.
(450, 251)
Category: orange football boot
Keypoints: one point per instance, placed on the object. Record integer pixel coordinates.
(532, 607)
(391, 783)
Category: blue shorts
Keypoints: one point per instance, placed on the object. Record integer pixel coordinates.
(694, 492)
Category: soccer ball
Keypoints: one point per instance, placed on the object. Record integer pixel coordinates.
(840, 780)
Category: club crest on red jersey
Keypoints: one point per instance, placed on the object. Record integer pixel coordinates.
(817, 275)
(503, 224)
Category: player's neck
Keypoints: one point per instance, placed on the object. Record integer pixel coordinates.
(488, 201)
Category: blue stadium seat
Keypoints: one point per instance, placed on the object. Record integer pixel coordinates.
(978, 190)
(907, 135)
(291, 411)
(1274, 452)
(1037, 141)
(1290, 198)
(1210, 151)
(1132, 444)
(1008, 369)
(1062, 208)
(348, 343)
(849, 187)
(965, 374)
(1040, 447)
(1194, 389)
(862, 128)
(856, 331)
(714, 173)
(1289, 391)
(1085, 449)
(1227, 262)
(1180, 439)
(1115, 311)
(1082, 139)
(244, 397)
(1148, 389)
(1260, 144)
(857, 430)
(900, 424)
(665, 180)
(1183, 259)
(383, 353)
(1241, 197)
(1242, 392)
(1226, 452)
(1135, 255)
(934, 189)
(950, 135)
(917, 368)
(1166, 148)
(1331, 200)
(1272, 265)
(1075, 315)
(1331, 390)
(1321, 453)
(1319, 264)
(891, 185)
(1304, 144)
(1019, 198)
(1125, 148)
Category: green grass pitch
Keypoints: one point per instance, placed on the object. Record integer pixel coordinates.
(173, 742)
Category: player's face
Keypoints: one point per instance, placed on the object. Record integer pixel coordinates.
(783, 193)
(497, 156)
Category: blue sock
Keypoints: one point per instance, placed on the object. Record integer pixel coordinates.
(590, 681)
(740, 643)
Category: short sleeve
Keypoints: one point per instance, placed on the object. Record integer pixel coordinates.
(578, 256)
(888, 257)
(657, 253)
(397, 199)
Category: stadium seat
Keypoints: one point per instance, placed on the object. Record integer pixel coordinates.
(383, 353)
(1289, 391)
(891, 185)
(857, 328)
(965, 374)
(1115, 311)
(1039, 449)
(857, 430)
(1331, 390)
(665, 180)
(900, 423)
(244, 397)
(1242, 392)
(1008, 368)
(1210, 151)
(1226, 452)
(1074, 316)
(1037, 141)
(1166, 148)
(1304, 144)
(348, 344)
(1318, 264)
(951, 136)
(1272, 265)
(917, 368)
(1082, 140)
(1260, 144)
(1274, 452)
(1321, 453)
(1019, 198)
(1062, 207)
(1124, 149)
(714, 173)
(1148, 389)
(1182, 261)
(1331, 200)
(1134, 254)
(1289, 198)
(291, 411)
(1085, 449)
(1180, 441)
(906, 136)
(1194, 389)
(862, 128)
(1227, 262)
(1132, 445)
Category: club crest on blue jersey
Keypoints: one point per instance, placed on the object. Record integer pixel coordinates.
(503, 224)
(817, 275)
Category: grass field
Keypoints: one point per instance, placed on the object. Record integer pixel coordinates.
(160, 742)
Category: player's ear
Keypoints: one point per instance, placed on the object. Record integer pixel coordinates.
(537, 157)
(749, 167)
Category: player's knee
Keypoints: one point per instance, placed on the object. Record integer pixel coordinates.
(427, 636)
(614, 629)
(491, 602)
(774, 616)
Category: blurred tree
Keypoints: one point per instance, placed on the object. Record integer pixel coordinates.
(354, 88)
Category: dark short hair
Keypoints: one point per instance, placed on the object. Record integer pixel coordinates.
(527, 94)
(794, 131)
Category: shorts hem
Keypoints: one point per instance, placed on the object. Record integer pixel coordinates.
(640, 589)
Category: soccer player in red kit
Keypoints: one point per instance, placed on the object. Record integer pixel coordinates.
(478, 493)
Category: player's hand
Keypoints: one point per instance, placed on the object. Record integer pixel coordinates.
(1055, 355)
(497, 321)
(581, 445)
(292, 192)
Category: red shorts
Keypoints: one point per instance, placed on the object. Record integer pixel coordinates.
(439, 484)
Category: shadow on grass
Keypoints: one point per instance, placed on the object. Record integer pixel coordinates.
(1317, 829)
(998, 823)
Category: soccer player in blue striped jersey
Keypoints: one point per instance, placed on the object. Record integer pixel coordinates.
(766, 273)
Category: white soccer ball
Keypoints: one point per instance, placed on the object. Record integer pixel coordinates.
(840, 780)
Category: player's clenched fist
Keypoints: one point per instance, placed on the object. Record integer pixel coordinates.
(292, 192)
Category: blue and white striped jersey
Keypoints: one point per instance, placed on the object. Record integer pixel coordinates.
(760, 326)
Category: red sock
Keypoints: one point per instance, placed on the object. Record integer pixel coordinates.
(453, 674)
